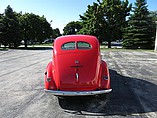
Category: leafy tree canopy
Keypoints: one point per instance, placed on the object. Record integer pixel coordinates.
(105, 19)
(72, 28)
(153, 14)
(140, 31)
(35, 28)
(9, 28)
(15, 27)
(56, 33)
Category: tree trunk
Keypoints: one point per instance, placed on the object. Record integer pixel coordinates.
(25, 42)
(9, 45)
(109, 44)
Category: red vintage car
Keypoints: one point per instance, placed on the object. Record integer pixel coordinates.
(76, 68)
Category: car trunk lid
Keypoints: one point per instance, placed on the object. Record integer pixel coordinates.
(77, 71)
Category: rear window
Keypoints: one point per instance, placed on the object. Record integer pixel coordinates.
(83, 45)
(80, 45)
(68, 46)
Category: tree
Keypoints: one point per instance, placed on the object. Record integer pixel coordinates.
(10, 28)
(153, 14)
(93, 21)
(140, 31)
(44, 29)
(72, 28)
(56, 33)
(15, 27)
(35, 28)
(2, 28)
(25, 28)
(106, 19)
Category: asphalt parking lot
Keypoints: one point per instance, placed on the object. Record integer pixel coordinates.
(133, 80)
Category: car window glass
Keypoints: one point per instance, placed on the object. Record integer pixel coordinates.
(83, 45)
(68, 46)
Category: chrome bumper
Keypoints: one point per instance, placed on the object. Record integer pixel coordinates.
(77, 93)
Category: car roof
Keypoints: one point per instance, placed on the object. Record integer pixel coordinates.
(69, 38)
(76, 37)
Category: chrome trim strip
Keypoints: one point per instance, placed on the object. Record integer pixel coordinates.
(77, 93)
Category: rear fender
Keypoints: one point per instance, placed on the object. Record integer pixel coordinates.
(48, 79)
(105, 76)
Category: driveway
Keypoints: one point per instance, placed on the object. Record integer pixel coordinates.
(133, 80)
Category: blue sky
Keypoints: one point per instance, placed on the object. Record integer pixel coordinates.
(59, 11)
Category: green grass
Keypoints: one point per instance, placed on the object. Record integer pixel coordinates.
(3, 49)
(49, 45)
(28, 48)
(123, 49)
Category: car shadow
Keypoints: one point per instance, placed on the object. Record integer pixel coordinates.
(130, 96)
